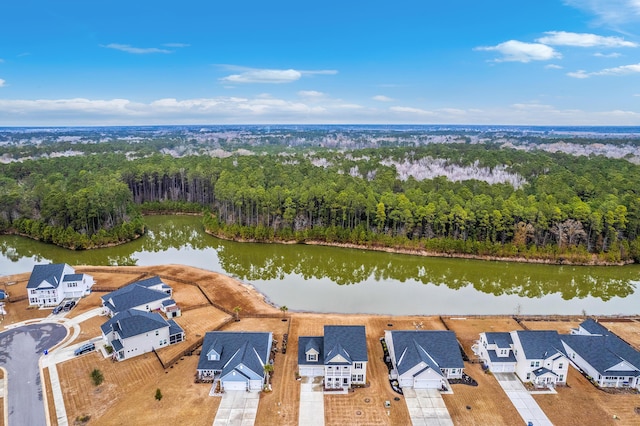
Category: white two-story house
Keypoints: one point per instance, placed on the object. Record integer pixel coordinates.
(50, 284)
(495, 349)
(150, 294)
(340, 356)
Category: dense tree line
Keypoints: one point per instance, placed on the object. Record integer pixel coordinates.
(568, 207)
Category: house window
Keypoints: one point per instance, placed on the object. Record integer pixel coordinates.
(345, 381)
(312, 357)
(532, 364)
(560, 365)
(528, 376)
(357, 366)
(360, 378)
(562, 377)
(157, 332)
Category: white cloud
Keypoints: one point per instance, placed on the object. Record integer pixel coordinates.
(382, 98)
(1, 60)
(176, 45)
(518, 51)
(271, 76)
(2, 82)
(564, 38)
(610, 12)
(411, 110)
(607, 55)
(553, 67)
(621, 70)
(313, 94)
(136, 50)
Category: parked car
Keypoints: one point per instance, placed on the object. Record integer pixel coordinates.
(68, 305)
(87, 347)
(57, 309)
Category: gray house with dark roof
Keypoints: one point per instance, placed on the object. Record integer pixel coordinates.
(148, 295)
(133, 332)
(607, 359)
(424, 359)
(540, 357)
(50, 284)
(340, 356)
(236, 360)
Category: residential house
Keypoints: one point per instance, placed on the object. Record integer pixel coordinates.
(606, 358)
(540, 357)
(496, 351)
(148, 295)
(536, 356)
(424, 359)
(235, 359)
(50, 284)
(134, 332)
(340, 356)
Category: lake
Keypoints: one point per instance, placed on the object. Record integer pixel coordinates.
(330, 279)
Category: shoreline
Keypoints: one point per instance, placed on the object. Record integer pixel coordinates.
(427, 253)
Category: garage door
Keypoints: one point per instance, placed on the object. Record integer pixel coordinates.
(311, 371)
(426, 384)
(230, 386)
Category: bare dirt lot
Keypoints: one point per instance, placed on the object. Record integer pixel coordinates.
(207, 299)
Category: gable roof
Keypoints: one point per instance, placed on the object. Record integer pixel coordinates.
(436, 348)
(133, 323)
(604, 353)
(51, 273)
(500, 339)
(306, 343)
(348, 341)
(593, 327)
(133, 295)
(237, 350)
(540, 344)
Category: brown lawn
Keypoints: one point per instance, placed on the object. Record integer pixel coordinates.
(561, 326)
(627, 330)
(127, 394)
(584, 404)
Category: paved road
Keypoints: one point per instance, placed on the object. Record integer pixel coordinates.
(20, 349)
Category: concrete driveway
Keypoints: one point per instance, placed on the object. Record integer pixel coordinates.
(520, 397)
(20, 350)
(237, 408)
(311, 412)
(426, 407)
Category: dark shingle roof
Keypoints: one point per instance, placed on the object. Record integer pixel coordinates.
(493, 357)
(133, 322)
(307, 342)
(438, 349)
(540, 344)
(605, 352)
(250, 349)
(132, 296)
(51, 273)
(594, 327)
(349, 340)
(174, 328)
(117, 345)
(502, 340)
(542, 371)
(72, 277)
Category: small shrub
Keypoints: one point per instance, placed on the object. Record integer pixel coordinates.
(97, 377)
(158, 394)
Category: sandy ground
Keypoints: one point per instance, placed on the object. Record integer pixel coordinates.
(208, 300)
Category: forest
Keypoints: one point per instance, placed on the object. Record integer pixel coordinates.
(462, 198)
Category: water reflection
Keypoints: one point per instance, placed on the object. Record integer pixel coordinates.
(180, 239)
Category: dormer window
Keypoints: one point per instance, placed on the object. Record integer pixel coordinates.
(311, 357)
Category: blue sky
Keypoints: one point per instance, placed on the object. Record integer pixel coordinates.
(530, 62)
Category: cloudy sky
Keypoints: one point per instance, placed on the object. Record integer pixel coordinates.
(546, 62)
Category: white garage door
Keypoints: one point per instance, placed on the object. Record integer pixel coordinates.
(230, 386)
(426, 384)
(311, 371)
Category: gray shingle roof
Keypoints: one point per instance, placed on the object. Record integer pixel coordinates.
(51, 273)
(133, 322)
(438, 349)
(174, 328)
(493, 357)
(605, 352)
(594, 327)
(500, 339)
(540, 344)
(308, 342)
(72, 277)
(250, 349)
(133, 295)
(542, 371)
(349, 340)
